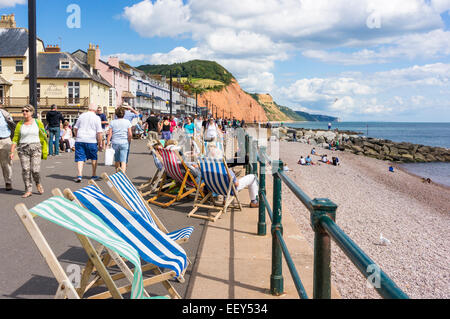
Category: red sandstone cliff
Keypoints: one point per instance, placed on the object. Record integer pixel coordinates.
(231, 102)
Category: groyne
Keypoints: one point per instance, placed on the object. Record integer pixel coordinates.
(357, 144)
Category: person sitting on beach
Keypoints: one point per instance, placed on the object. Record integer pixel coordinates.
(309, 161)
(336, 161)
(313, 151)
(302, 161)
(324, 159)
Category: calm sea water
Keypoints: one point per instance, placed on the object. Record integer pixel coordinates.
(431, 134)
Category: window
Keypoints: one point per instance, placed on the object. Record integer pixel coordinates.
(74, 92)
(112, 97)
(19, 66)
(64, 65)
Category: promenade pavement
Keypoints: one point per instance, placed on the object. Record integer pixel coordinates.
(229, 260)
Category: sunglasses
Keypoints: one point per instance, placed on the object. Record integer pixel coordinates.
(25, 111)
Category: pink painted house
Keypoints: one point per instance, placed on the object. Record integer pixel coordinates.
(111, 72)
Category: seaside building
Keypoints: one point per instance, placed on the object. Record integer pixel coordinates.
(62, 79)
(112, 73)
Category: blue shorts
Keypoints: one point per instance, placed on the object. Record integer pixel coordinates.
(121, 152)
(86, 151)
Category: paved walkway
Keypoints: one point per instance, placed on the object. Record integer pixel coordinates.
(235, 263)
(229, 260)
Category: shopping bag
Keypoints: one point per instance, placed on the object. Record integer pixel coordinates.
(109, 157)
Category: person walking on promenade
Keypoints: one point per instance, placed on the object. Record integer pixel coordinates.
(164, 128)
(198, 127)
(189, 128)
(30, 139)
(7, 128)
(173, 124)
(119, 137)
(152, 126)
(211, 131)
(105, 122)
(88, 132)
(131, 115)
(54, 121)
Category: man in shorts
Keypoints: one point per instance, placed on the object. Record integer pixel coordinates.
(89, 134)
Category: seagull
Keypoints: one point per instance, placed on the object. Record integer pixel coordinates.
(384, 241)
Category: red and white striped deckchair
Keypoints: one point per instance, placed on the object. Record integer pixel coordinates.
(176, 169)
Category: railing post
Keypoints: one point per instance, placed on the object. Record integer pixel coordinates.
(254, 158)
(322, 248)
(262, 227)
(247, 153)
(276, 279)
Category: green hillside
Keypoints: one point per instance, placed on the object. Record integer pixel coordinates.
(196, 69)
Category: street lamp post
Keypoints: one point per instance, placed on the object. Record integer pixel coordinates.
(171, 89)
(32, 55)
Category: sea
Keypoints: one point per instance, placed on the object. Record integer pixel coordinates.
(430, 134)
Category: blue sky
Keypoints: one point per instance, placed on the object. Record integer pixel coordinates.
(385, 60)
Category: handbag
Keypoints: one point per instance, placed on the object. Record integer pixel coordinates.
(9, 121)
(109, 156)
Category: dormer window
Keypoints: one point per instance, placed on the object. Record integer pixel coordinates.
(64, 65)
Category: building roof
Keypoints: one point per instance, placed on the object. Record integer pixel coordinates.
(82, 56)
(14, 42)
(48, 68)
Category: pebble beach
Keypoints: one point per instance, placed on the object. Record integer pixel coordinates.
(413, 216)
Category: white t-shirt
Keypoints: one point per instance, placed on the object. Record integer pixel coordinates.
(302, 161)
(88, 125)
(29, 134)
(211, 131)
(120, 131)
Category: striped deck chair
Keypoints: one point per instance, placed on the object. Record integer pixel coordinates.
(179, 172)
(218, 181)
(86, 226)
(153, 184)
(154, 247)
(128, 196)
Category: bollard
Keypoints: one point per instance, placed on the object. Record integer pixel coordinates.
(262, 227)
(276, 279)
(322, 248)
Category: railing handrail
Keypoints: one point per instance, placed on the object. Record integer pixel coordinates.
(323, 213)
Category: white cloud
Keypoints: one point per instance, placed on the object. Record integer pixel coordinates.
(11, 3)
(398, 91)
(162, 18)
(433, 44)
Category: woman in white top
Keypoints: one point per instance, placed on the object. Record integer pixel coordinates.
(211, 131)
(27, 139)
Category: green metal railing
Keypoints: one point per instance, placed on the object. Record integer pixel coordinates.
(323, 217)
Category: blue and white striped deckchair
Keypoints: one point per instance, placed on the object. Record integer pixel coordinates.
(131, 199)
(86, 225)
(153, 245)
(218, 181)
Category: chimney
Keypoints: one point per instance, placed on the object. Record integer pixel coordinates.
(52, 49)
(92, 56)
(114, 61)
(8, 21)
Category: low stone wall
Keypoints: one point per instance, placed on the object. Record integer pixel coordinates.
(377, 148)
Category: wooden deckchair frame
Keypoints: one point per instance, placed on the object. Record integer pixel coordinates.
(153, 184)
(216, 209)
(111, 258)
(65, 286)
(181, 193)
